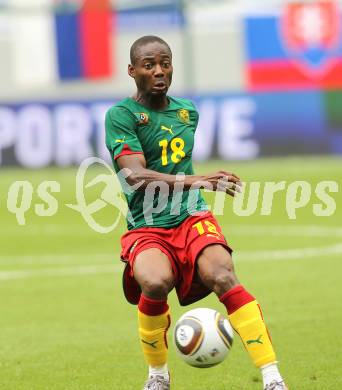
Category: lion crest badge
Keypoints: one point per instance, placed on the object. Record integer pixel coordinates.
(183, 115)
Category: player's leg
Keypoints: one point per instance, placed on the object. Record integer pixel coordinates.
(153, 272)
(216, 270)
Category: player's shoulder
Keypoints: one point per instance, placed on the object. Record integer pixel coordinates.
(183, 103)
(123, 112)
(122, 106)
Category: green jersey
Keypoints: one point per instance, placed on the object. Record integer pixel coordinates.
(166, 138)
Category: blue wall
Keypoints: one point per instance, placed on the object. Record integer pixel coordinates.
(234, 126)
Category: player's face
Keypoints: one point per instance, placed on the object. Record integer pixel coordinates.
(152, 70)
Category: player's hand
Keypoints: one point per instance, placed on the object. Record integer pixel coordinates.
(224, 181)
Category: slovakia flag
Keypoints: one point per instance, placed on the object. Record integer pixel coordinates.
(299, 48)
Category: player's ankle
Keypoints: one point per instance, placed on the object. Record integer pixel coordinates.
(159, 370)
(270, 373)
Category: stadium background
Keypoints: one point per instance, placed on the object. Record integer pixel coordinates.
(225, 56)
(267, 81)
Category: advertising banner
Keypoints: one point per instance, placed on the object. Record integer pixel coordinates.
(231, 127)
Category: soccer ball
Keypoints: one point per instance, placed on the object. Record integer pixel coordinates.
(203, 337)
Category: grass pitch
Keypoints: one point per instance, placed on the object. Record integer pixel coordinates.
(64, 323)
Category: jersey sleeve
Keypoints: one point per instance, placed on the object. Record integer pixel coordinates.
(121, 137)
(195, 114)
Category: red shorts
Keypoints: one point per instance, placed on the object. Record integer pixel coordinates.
(182, 245)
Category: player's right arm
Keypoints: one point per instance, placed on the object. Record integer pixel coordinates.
(125, 147)
(139, 176)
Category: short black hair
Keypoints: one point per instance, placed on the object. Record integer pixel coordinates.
(143, 41)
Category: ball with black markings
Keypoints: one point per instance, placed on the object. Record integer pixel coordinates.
(203, 337)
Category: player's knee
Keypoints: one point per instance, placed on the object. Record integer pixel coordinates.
(157, 288)
(223, 280)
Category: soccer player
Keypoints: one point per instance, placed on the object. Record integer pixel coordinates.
(173, 241)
